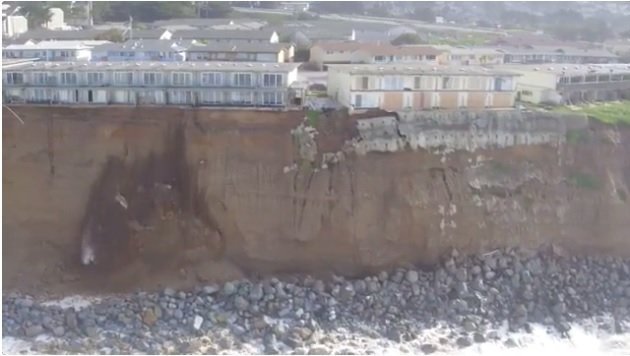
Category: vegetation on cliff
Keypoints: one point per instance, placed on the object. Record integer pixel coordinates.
(617, 112)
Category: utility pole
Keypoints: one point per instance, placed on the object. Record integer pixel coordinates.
(130, 27)
(90, 17)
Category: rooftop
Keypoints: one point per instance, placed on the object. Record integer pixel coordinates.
(400, 69)
(147, 34)
(157, 66)
(379, 48)
(8, 63)
(551, 50)
(468, 50)
(44, 34)
(146, 45)
(56, 45)
(567, 69)
(224, 34)
(239, 47)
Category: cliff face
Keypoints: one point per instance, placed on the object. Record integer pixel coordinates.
(178, 196)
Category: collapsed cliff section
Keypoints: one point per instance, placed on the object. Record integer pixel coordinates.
(172, 196)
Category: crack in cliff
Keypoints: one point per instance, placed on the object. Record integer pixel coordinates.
(51, 145)
(305, 199)
(442, 173)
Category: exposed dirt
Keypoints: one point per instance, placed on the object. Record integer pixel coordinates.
(180, 197)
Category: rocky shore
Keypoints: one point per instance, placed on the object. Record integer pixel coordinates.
(466, 300)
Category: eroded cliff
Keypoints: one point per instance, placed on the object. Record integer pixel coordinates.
(182, 196)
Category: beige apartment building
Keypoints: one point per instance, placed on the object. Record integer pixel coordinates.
(418, 87)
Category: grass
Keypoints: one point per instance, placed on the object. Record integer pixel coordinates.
(583, 180)
(616, 112)
(576, 136)
(312, 117)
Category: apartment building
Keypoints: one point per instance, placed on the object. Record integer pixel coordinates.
(459, 55)
(53, 50)
(248, 36)
(60, 35)
(151, 83)
(416, 87)
(570, 83)
(244, 52)
(142, 50)
(325, 53)
(557, 54)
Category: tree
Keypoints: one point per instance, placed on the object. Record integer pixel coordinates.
(407, 38)
(142, 11)
(112, 35)
(37, 13)
(215, 9)
(424, 13)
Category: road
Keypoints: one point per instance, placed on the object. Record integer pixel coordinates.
(384, 20)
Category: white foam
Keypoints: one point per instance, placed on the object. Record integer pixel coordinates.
(76, 301)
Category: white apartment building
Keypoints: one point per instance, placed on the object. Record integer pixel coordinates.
(152, 83)
(52, 50)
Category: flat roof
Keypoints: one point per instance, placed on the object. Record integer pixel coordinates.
(157, 66)
(567, 69)
(418, 69)
(9, 63)
(238, 47)
(56, 45)
(558, 50)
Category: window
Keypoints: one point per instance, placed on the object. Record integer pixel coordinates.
(15, 78)
(446, 82)
(123, 78)
(242, 80)
(576, 79)
(416, 82)
(379, 58)
(39, 95)
(152, 78)
(68, 78)
(526, 93)
(272, 80)
(393, 83)
(211, 79)
(181, 97)
(241, 97)
(211, 97)
(273, 98)
(39, 77)
(591, 78)
(181, 79)
(95, 78)
(431, 57)
(365, 82)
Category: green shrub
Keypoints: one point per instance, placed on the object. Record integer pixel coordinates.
(583, 180)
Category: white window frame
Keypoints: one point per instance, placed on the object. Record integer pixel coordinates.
(217, 79)
(273, 98)
(64, 76)
(272, 80)
(157, 78)
(238, 80)
(11, 76)
(128, 76)
(181, 79)
(39, 77)
(100, 78)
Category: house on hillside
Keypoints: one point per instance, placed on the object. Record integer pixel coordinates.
(325, 53)
(251, 36)
(142, 50)
(53, 50)
(396, 87)
(459, 55)
(242, 52)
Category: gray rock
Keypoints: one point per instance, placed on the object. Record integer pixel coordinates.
(411, 276)
(58, 331)
(463, 341)
(211, 289)
(319, 350)
(461, 274)
(71, 320)
(241, 303)
(90, 331)
(229, 288)
(428, 348)
(478, 338)
(319, 287)
(33, 330)
(169, 292)
(256, 293)
(559, 308)
(469, 325)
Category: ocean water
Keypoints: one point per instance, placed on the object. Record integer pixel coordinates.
(583, 339)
